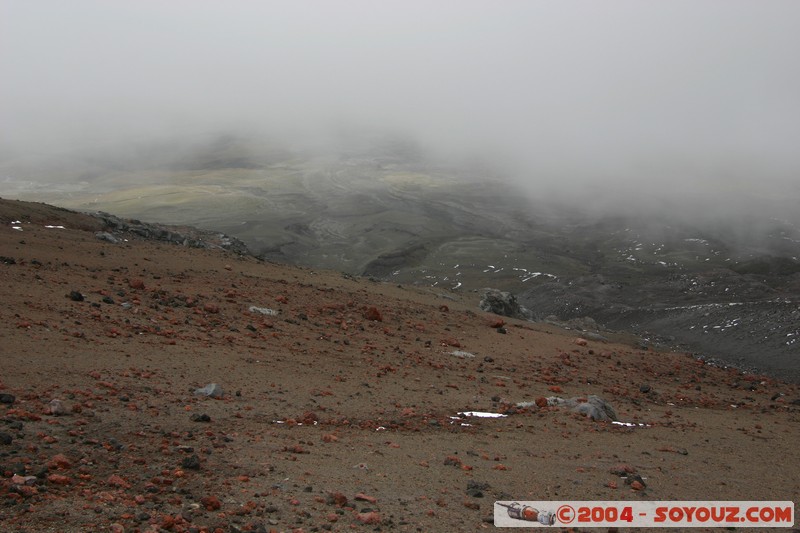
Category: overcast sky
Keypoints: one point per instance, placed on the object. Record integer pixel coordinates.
(706, 90)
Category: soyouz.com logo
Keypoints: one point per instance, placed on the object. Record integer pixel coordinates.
(644, 514)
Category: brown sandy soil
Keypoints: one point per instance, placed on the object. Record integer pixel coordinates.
(331, 420)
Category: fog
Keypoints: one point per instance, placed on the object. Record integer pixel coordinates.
(612, 104)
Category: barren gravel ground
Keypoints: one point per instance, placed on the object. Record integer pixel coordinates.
(335, 416)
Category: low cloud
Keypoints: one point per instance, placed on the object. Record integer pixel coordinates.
(687, 105)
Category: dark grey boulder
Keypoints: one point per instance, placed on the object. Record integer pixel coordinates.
(503, 303)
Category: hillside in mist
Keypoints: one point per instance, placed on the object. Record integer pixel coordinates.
(631, 163)
(724, 284)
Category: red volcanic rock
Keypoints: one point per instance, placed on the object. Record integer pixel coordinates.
(59, 462)
(211, 503)
(136, 283)
(309, 418)
(369, 518)
(622, 469)
(116, 481)
(452, 460)
(373, 314)
(365, 498)
(337, 498)
(295, 449)
(57, 479)
(497, 323)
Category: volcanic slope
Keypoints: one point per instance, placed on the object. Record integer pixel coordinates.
(723, 285)
(340, 403)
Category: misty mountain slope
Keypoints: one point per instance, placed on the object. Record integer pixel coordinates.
(697, 294)
(342, 213)
(384, 210)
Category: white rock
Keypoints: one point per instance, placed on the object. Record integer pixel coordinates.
(212, 390)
